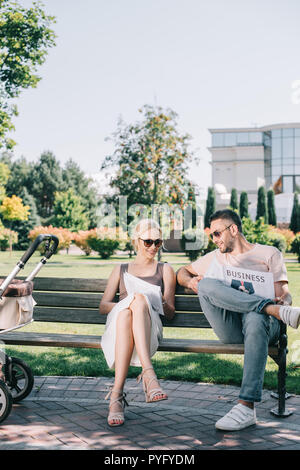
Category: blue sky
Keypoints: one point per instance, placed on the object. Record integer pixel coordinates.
(216, 63)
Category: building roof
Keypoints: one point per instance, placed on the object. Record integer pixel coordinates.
(269, 127)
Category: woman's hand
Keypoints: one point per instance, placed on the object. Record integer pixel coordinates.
(168, 299)
(107, 304)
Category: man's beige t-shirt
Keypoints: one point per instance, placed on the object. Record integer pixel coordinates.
(262, 258)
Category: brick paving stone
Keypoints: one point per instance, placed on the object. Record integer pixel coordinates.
(71, 413)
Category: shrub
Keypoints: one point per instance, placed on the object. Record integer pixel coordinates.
(286, 233)
(64, 236)
(81, 240)
(255, 232)
(278, 240)
(104, 241)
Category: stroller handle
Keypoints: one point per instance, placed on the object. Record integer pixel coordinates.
(50, 248)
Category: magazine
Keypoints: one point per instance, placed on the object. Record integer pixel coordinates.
(134, 285)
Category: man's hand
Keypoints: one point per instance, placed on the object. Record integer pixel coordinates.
(193, 283)
(284, 299)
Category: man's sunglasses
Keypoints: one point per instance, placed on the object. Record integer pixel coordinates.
(150, 242)
(218, 233)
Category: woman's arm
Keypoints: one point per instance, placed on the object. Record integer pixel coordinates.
(106, 303)
(169, 278)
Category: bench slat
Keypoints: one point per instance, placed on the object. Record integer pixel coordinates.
(81, 285)
(92, 341)
(92, 300)
(69, 284)
(93, 317)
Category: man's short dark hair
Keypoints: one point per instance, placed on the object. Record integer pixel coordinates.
(228, 214)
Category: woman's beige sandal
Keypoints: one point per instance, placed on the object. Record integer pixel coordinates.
(116, 418)
(156, 394)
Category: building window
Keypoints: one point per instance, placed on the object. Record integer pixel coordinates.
(285, 159)
(230, 139)
(255, 137)
(218, 139)
(276, 133)
(287, 148)
(287, 132)
(297, 146)
(291, 183)
(242, 138)
(288, 186)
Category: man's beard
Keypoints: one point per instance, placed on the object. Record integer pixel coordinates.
(228, 248)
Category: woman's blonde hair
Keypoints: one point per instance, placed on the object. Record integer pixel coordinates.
(141, 227)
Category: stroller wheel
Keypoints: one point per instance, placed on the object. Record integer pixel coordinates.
(20, 381)
(5, 401)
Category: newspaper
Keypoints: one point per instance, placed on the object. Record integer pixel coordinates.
(250, 282)
(135, 285)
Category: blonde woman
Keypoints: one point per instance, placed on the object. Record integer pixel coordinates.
(133, 327)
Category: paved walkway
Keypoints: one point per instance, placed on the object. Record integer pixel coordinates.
(68, 413)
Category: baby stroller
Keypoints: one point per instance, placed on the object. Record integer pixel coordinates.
(16, 311)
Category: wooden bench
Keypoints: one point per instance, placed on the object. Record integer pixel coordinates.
(77, 301)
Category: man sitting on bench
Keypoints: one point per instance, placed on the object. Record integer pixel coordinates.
(242, 316)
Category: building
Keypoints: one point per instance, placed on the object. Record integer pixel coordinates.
(247, 158)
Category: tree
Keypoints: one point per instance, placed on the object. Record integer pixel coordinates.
(295, 216)
(4, 175)
(23, 227)
(151, 158)
(25, 37)
(234, 199)
(45, 180)
(13, 209)
(192, 201)
(271, 208)
(20, 177)
(210, 206)
(243, 209)
(75, 178)
(69, 212)
(261, 210)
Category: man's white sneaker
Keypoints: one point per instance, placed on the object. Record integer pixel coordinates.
(239, 417)
(290, 315)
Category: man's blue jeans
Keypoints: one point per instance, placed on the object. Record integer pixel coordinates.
(237, 317)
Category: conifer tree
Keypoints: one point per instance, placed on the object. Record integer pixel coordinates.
(261, 210)
(210, 206)
(243, 209)
(295, 217)
(234, 199)
(271, 208)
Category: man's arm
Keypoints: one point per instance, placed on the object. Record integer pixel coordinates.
(282, 293)
(187, 277)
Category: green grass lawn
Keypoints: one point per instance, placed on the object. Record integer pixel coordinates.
(213, 368)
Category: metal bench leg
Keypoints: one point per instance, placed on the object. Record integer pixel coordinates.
(281, 411)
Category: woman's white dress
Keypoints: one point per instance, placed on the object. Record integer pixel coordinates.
(150, 291)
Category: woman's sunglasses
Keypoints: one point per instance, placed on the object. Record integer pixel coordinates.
(150, 242)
